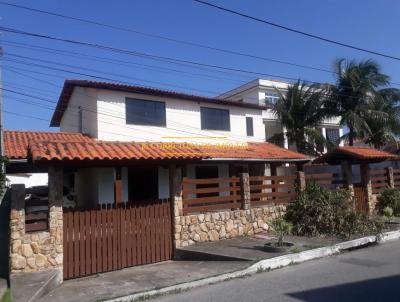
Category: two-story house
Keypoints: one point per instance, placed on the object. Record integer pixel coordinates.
(147, 170)
(112, 112)
(229, 137)
(122, 113)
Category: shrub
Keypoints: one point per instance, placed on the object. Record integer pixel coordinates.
(390, 198)
(281, 228)
(388, 213)
(318, 211)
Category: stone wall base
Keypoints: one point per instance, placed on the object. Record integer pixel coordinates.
(35, 252)
(212, 226)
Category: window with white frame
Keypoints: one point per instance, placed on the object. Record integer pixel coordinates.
(271, 97)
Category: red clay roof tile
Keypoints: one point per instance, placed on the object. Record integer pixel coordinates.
(102, 150)
(355, 153)
(45, 146)
(16, 142)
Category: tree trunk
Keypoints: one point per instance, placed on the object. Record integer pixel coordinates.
(351, 136)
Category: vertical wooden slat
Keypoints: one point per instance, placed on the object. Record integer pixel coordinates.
(169, 229)
(87, 243)
(153, 233)
(128, 228)
(158, 230)
(115, 239)
(99, 241)
(143, 233)
(118, 234)
(138, 236)
(76, 243)
(65, 245)
(134, 215)
(109, 238)
(123, 236)
(148, 236)
(166, 243)
(162, 232)
(70, 256)
(104, 239)
(93, 241)
(82, 267)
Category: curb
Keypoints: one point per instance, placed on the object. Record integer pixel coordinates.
(264, 265)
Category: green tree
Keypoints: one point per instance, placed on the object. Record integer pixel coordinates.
(383, 131)
(300, 111)
(355, 97)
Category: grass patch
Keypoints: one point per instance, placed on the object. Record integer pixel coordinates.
(7, 296)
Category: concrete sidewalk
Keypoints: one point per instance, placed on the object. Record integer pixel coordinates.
(140, 278)
(249, 248)
(140, 282)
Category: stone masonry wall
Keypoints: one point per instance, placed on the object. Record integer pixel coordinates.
(34, 251)
(212, 226)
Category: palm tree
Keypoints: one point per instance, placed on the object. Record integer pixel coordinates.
(383, 131)
(300, 111)
(357, 85)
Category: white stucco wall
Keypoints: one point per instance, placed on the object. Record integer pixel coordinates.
(183, 119)
(105, 179)
(86, 98)
(28, 179)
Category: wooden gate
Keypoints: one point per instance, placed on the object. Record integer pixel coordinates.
(114, 237)
(360, 196)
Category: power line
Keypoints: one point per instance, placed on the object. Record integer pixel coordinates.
(321, 38)
(146, 55)
(97, 71)
(124, 82)
(237, 53)
(80, 55)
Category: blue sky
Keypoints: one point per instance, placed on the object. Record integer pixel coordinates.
(362, 23)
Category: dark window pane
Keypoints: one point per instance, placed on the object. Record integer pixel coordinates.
(249, 126)
(143, 112)
(332, 135)
(215, 119)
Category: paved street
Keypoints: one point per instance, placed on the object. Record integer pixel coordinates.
(367, 275)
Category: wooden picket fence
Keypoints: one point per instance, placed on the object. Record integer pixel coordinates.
(326, 180)
(379, 181)
(210, 194)
(396, 177)
(114, 237)
(36, 215)
(272, 189)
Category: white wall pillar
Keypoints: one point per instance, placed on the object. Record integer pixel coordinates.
(323, 130)
(285, 139)
(340, 135)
